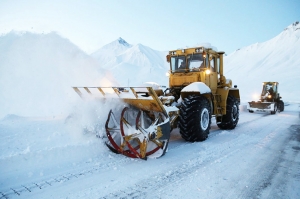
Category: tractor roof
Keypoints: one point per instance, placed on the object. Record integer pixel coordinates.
(200, 49)
(270, 83)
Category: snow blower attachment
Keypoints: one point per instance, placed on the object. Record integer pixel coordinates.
(143, 127)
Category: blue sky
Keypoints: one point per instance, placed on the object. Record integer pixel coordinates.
(159, 24)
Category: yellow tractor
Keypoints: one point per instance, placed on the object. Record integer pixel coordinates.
(197, 91)
(270, 99)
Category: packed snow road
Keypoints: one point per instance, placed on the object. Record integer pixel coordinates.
(47, 158)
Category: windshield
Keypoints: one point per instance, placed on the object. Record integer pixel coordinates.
(194, 62)
(269, 89)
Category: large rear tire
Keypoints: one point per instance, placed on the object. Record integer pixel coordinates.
(194, 118)
(230, 120)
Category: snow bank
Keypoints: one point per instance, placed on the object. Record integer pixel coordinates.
(37, 73)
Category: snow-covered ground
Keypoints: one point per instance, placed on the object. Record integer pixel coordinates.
(51, 158)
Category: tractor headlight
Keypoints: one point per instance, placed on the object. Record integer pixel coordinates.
(207, 72)
(167, 74)
(255, 97)
(269, 96)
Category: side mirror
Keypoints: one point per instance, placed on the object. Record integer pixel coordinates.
(168, 58)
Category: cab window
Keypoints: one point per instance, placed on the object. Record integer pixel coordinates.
(195, 62)
(178, 63)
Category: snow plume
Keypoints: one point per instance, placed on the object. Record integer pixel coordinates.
(37, 72)
(90, 115)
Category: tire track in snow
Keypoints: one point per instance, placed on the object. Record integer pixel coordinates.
(26, 188)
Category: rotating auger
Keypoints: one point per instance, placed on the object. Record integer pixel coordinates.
(142, 129)
(137, 134)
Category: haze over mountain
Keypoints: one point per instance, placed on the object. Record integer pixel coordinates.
(37, 71)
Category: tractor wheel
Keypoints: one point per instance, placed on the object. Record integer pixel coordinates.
(281, 106)
(230, 120)
(195, 118)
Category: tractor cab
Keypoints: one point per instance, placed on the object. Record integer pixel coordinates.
(269, 91)
(189, 62)
(199, 64)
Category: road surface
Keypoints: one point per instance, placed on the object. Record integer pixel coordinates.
(260, 158)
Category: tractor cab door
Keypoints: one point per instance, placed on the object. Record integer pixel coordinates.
(178, 64)
(214, 68)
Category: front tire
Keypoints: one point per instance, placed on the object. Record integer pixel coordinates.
(194, 118)
(230, 120)
(281, 106)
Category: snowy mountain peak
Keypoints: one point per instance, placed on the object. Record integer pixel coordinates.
(109, 51)
(293, 27)
(123, 42)
(296, 23)
(292, 31)
(119, 45)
